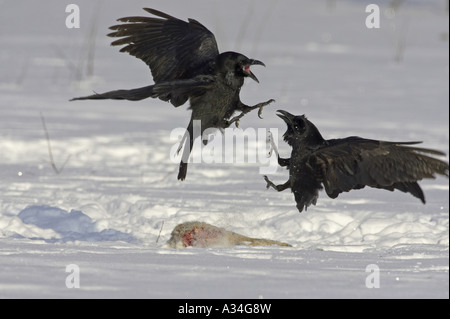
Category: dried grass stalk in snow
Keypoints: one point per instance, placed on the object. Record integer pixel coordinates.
(199, 234)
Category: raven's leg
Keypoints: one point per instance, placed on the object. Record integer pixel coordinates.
(278, 188)
(245, 109)
(273, 147)
(187, 151)
(281, 161)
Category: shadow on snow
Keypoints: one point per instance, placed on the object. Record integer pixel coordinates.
(72, 226)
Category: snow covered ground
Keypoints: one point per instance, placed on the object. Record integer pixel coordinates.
(118, 191)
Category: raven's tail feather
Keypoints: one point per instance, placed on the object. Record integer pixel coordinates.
(411, 187)
(131, 95)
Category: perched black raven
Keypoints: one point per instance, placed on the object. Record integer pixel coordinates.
(341, 165)
(186, 65)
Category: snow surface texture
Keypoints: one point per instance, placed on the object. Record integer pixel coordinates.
(116, 201)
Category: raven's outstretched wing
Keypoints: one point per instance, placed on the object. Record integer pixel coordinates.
(172, 48)
(353, 163)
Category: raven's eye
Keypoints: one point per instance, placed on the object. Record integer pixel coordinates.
(299, 125)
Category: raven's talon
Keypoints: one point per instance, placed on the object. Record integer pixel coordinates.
(260, 112)
(234, 120)
(262, 106)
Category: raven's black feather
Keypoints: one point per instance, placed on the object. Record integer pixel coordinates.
(341, 165)
(186, 65)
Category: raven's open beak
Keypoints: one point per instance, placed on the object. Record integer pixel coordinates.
(286, 116)
(250, 73)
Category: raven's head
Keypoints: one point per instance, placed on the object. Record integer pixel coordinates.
(238, 64)
(300, 131)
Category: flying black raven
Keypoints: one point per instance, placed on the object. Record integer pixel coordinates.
(186, 65)
(350, 163)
